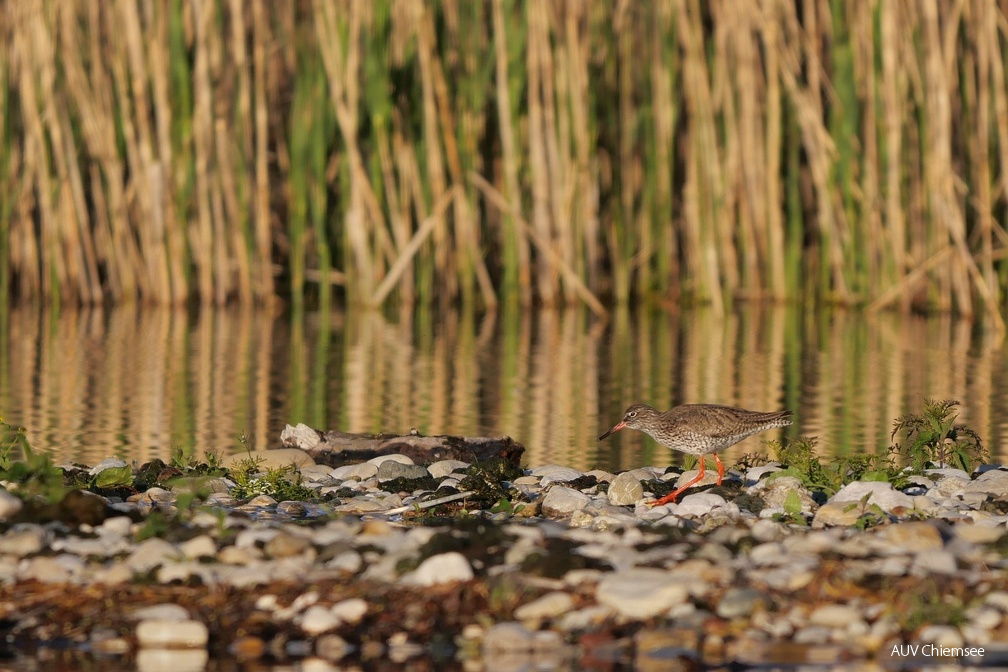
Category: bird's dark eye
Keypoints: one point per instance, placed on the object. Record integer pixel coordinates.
(632, 414)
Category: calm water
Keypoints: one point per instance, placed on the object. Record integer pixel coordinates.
(136, 382)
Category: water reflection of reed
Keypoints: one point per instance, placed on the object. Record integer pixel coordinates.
(135, 382)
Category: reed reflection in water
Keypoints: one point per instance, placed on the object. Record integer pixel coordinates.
(136, 382)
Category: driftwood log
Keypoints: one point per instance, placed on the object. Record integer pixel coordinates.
(337, 448)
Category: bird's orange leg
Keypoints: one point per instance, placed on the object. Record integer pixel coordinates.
(720, 468)
(678, 491)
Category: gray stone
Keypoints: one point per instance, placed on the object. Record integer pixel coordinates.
(950, 486)
(25, 539)
(562, 501)
(756, 474)
(332, 647)
(10, 505)
(318, 619)
(389, 470)
(261, 502)
(909, 537)
(151, 553)
(300, 436)
(438, 569)
(835, 616)
(941, 635)
(934, 562)
(351, 610)
(395, 457)
(356, 472)
(877, 492)
(710, 478)
(836, 513)
(548, 606)
(625, 489)
(444, 468)
(554, 473)
(53, 569)
(507, 637)
(993, 482)
(202, 546)
(775, 493)
(703, 504)
(100, 547)
(640, 592)
(741, 602)
(768, 530)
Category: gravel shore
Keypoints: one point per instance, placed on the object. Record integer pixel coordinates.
(571, 570)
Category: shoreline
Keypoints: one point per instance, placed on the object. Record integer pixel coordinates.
(573, 566)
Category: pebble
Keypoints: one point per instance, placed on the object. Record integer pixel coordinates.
(878, 493)
(640, 592)
(592, 559)
(704, 503)
(351, 610)
(25, 539)
(443, 568)
(741, 602)
(318, 619)
(10, 505)
(625, 489)
(562, 501)
(993, 482)
(394, 457)
(389, 470)
(356, 472)
(554, 473)
(445, 468)
(835, 616)
(548, 606)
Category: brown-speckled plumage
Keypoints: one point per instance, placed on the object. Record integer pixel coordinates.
(699, 429)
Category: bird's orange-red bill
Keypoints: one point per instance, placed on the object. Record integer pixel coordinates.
(620, 425)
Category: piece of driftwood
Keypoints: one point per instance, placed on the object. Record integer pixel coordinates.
(336, 448)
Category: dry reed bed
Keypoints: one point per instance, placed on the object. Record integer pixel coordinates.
(572, 151)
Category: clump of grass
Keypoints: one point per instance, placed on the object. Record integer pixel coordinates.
(801, 461)
(281, 483)
(32, 476)
(933, 439)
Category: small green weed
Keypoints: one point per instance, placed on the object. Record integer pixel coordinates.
(33, 476)
(932, 438)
